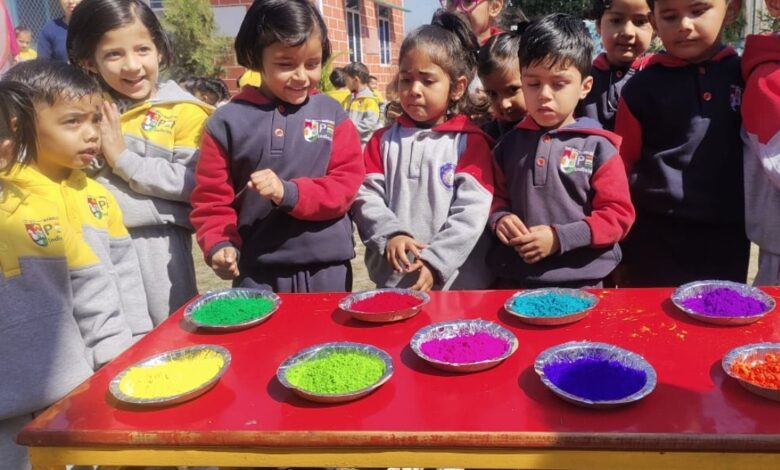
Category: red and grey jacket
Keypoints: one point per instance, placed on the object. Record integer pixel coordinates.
(761, 135)
(572, 179)
(313, 148)
(681, 145)
(608, 81)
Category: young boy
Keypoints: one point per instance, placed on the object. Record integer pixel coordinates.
(24, 38)
(67, 104)
(680, 121)
(51, 42)
(568, 202)
(761, 135)
(362, 107)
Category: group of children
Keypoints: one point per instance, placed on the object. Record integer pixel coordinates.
(271, 182)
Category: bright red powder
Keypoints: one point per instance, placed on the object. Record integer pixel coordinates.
(386, 302)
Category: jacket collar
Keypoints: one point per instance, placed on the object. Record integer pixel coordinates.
(602, 63)
(667, 60)
(759, 49)
(583, 125)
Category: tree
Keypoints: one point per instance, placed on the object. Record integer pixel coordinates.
(197, 48)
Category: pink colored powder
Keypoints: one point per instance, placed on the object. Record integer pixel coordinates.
(385, 302)
(465, 349)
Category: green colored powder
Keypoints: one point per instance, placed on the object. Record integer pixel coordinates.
(231, 311)
(337, 372)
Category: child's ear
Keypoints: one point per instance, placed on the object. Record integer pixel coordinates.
(495, 8)
(459, 88)
(587, 84)
(89, 66)
(732, 11)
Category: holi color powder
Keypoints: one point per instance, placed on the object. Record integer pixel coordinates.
(386, 302)
(232, 310)
(337, 372)
(764, 373)
(596, 379)
(549, 305)
(465, 349)
(171, 378)
(724, 302)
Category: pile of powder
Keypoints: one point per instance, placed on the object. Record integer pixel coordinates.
(227, 311)
(171, 378)
(336, 372)
(465, 349)
(764, 373)
(724, 302)
(596, 379)
(386, 302)
(549, 305)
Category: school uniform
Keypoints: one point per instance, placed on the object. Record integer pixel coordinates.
(680, 124)
(436, 186)
(608, 81)
(497, 128)
(572, 179)
(761, 136)
(364, 110)
(303, 244)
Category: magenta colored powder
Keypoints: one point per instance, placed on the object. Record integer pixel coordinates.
(724, 302)
(465, 349)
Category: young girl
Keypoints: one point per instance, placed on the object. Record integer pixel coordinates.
(484, 15)
(498, 68)
(425, 201)
(626, 33)
(149, 150)
(279, 166)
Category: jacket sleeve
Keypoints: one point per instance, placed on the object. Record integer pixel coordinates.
(374, 219)
(128, 270)
(629, 128)
(612, 213)
(45, 46)
(159, 177)
(329, 197)
(760, 117)
(213, 215)
(469, 211)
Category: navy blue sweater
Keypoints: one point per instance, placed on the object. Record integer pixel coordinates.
(51, 41)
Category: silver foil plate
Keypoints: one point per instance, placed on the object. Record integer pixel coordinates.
(454, 328)
(577, 350)
(231, 293)
(327, 348)
(170, 356)
(752, 353)
(551, 320)
(693, 289)
(346, 304)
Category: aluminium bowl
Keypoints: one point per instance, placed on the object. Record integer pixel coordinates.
(231, 293)
(752, 353)
(551, 320)
(693, 289)
(346, 304)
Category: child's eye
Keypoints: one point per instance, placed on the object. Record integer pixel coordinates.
(515, 90)
(112, 55)
(615, 21)
(641, 21)
(428, 81)
(491, 94)
(669, 17)
(531, 85)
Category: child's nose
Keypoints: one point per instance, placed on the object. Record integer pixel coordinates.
(686, 23)
(131, 63)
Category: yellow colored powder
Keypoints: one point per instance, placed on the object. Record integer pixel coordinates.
(172, 378)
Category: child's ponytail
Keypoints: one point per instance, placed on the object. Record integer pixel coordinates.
(17, 121)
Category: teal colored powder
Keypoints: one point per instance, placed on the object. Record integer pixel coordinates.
(337, 372)
(232, 311)
(549, 305)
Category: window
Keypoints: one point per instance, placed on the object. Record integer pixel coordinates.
(383, 20)
(156, 4)
(352, 8)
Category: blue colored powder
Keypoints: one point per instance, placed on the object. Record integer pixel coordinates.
(596, 379)
(549, 305)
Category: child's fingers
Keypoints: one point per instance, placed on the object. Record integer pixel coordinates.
(415, 266)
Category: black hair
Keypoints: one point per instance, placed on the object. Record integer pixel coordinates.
(22, 29)
(17, 121)
(599, 7)
(557, 40)
(291, 22)
(450, 44)
(51, 80)
(211, 85)
(498, 53)
(91, 19)
(338, 78)
(359, 70)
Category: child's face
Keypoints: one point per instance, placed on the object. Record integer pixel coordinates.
(691, 29)
(625, 31)
(68, 6)
(504, 87)
(24, 38)
(68, 134)
(481, 13)
(128, 61)
(289, 73)
(552, 93)
(373, 83)
(424, 88)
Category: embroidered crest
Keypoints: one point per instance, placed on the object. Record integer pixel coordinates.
(314, 130)
(573, 160)
(447, 175)
(98, 206)
(45, 232)
(155, 121)
(735, 97)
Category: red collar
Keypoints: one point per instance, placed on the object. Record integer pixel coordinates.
(580, 126)
(251, 94)
(457, 123)
(493, 31)
(671, 61)
(601, 62)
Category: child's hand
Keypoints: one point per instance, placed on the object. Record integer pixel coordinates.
(111, 138)
(396, 250)
(225, 264)
(267, 185)
(425, 280)
(510, 228)
(539, 243)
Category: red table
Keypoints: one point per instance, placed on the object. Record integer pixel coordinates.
(500, 418)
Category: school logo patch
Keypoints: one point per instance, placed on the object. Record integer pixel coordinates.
(447, 175)
(98, 206)
(574, 160)
(314, 130)
(45, 232)
(156, 121)
(735, 97)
